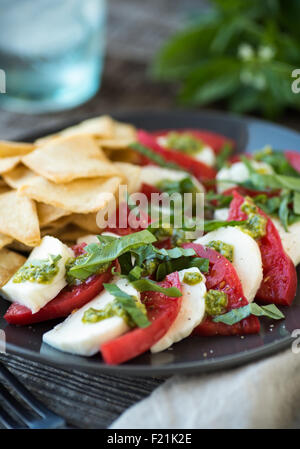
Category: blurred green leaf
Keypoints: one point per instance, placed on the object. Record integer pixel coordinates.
(242, 52)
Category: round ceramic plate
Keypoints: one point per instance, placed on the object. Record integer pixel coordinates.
(194, 354)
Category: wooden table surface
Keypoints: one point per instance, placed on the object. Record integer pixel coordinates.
(136, 30)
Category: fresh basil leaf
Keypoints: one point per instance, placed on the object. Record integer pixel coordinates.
(236, 315)
(129, 304)
(283, 211)
(125, 261)
(277, 160)
(105, 239)
(296, 203)
(155, 157)
(146, 285)
(182, 263)
(212, 225)
(223, 155)
(135, 273)
(97, 255)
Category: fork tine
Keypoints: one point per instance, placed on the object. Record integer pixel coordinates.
(18, 408)
(49, 419)
(7, 421)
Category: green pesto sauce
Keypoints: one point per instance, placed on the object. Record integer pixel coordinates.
(223, 248)
(256, 225)
(112, 309)
(184, 142)
(177, 236)
(192, 277)
(41, 271)
(215, 302)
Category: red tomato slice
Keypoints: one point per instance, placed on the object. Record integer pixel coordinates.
(294, 158)
(200, 170)
(215, 141)
(223, 276)
(162, 311)
(279, 274)
(69, 299)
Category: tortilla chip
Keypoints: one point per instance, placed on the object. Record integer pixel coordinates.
(19, 219)
(8, 163)
(67, 158)
(123, 135)
(132, 174)
(9, 149)
(18, 176)
(98, 126)
(10, 262)
(80, 196)
(5, 240)
(87, 222)
(49, 214)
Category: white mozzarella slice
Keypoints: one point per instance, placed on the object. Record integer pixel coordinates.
(221, 214)
(36, 295)
(76, 337)
(290, 240)
(152, 175)
(190, 315)
(238, 172)
(207, 156)
(89, 238)
(246, 257)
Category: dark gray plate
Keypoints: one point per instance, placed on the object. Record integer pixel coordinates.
(195, 354)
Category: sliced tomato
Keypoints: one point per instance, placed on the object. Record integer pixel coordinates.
(67, 300)
(294, 159)
(279, 274)
(200, 170)
(162, 311)
(223, 276)
(213, 140)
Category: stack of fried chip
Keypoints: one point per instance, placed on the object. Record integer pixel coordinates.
(58, 184)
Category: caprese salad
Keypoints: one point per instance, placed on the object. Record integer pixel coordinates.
(127, 291)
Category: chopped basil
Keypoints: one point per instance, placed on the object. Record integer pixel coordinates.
(179, 264)
(125, 306)
(146, 285)
(223, 155)
(212, 225)
(156, 158)
(97, 255)
(236, 315)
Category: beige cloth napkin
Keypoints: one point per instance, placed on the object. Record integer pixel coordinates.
(264, 394)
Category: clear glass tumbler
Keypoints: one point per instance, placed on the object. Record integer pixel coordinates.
(51, 52)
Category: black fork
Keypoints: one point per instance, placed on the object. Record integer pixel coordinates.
(16, 415)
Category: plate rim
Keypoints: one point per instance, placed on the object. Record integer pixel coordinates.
(198, 366)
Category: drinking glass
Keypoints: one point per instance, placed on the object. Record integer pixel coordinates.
(51, 53)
